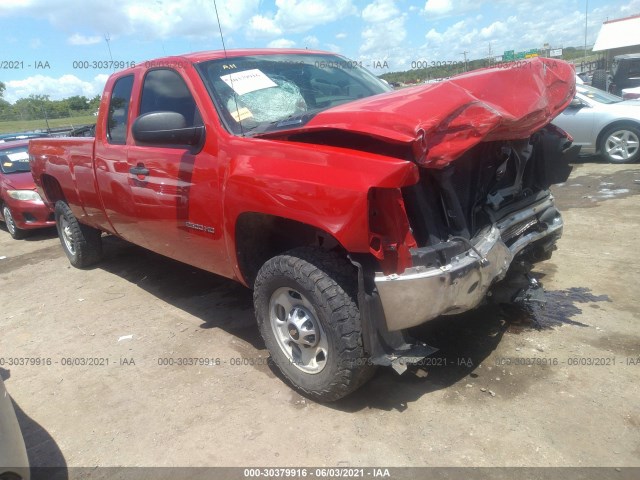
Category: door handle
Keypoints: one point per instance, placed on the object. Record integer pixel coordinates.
(139, 169)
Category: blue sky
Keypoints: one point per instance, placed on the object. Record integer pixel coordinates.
(43, 38)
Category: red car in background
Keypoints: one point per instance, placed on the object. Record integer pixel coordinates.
(21, 208)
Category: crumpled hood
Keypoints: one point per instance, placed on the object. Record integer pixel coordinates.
(443, 120)
(20, 181)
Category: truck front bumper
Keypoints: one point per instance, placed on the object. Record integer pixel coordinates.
(421, 293)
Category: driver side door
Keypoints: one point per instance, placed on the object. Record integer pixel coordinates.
(175, 188)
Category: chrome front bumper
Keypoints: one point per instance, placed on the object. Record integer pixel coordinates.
(421, 293)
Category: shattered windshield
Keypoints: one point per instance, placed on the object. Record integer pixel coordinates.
(260, 93)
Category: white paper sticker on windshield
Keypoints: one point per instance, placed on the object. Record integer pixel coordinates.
(248, 81)
(18, 157)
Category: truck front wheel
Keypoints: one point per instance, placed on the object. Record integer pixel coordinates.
(82, 244)
(309, 319)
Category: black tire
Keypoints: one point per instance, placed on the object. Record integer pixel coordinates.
(626, 144)
(326, 285)
(15, 232)
(82, 244)
(599, 79)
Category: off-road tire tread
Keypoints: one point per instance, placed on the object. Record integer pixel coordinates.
(88, 241)
(599, 80)
(334, 281)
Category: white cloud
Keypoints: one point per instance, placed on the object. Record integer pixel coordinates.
(57, 88)
(438, 6)
(433, 36)
(9, 6)
(35, 43)
(632, 7)
(380, 11)
(496, 29)
(281, 43)
(78, 39)
(332, 47)
(302, 15)
(152, 20)
(261, 26)
(381, 38)
(341, 36)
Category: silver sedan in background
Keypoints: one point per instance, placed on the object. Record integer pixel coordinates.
(603, 124)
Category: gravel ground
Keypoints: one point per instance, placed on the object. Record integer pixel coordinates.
(552, 387)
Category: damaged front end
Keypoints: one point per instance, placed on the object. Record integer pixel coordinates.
(471, 220)
(484, 215)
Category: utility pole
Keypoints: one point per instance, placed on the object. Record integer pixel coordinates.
(46, 119)
(586, 15)
(465, 59)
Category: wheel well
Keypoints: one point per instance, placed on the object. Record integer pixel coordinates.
(616, 124)
(52, 189)
(260, 237)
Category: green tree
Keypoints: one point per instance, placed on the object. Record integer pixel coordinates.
(77, 102)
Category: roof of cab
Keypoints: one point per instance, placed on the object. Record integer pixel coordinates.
(198, 57)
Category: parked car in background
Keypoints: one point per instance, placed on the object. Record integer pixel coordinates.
(631, 93)
(603, 124)
(583, 79)
(12, 137)
(14, 463)
(624, 73)
(21, 208)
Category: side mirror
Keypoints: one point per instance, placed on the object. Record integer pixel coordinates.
(166, 128)
(576, 103)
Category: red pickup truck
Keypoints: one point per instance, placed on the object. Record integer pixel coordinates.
(353, 211)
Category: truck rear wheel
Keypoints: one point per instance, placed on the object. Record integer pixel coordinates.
(82, 244)
(310, 322)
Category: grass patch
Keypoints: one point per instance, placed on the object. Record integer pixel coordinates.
(16, 126)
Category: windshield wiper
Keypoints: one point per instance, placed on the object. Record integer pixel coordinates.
(287, 122)
(298, 119)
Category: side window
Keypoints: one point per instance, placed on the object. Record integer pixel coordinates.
(164, 90)
(119, 110)
(634, 68)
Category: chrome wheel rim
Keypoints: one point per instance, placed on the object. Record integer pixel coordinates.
(67, 235)
(622, 145)
(297, 330)
(8, 219)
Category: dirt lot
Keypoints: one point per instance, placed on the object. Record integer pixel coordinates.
(577, 405)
